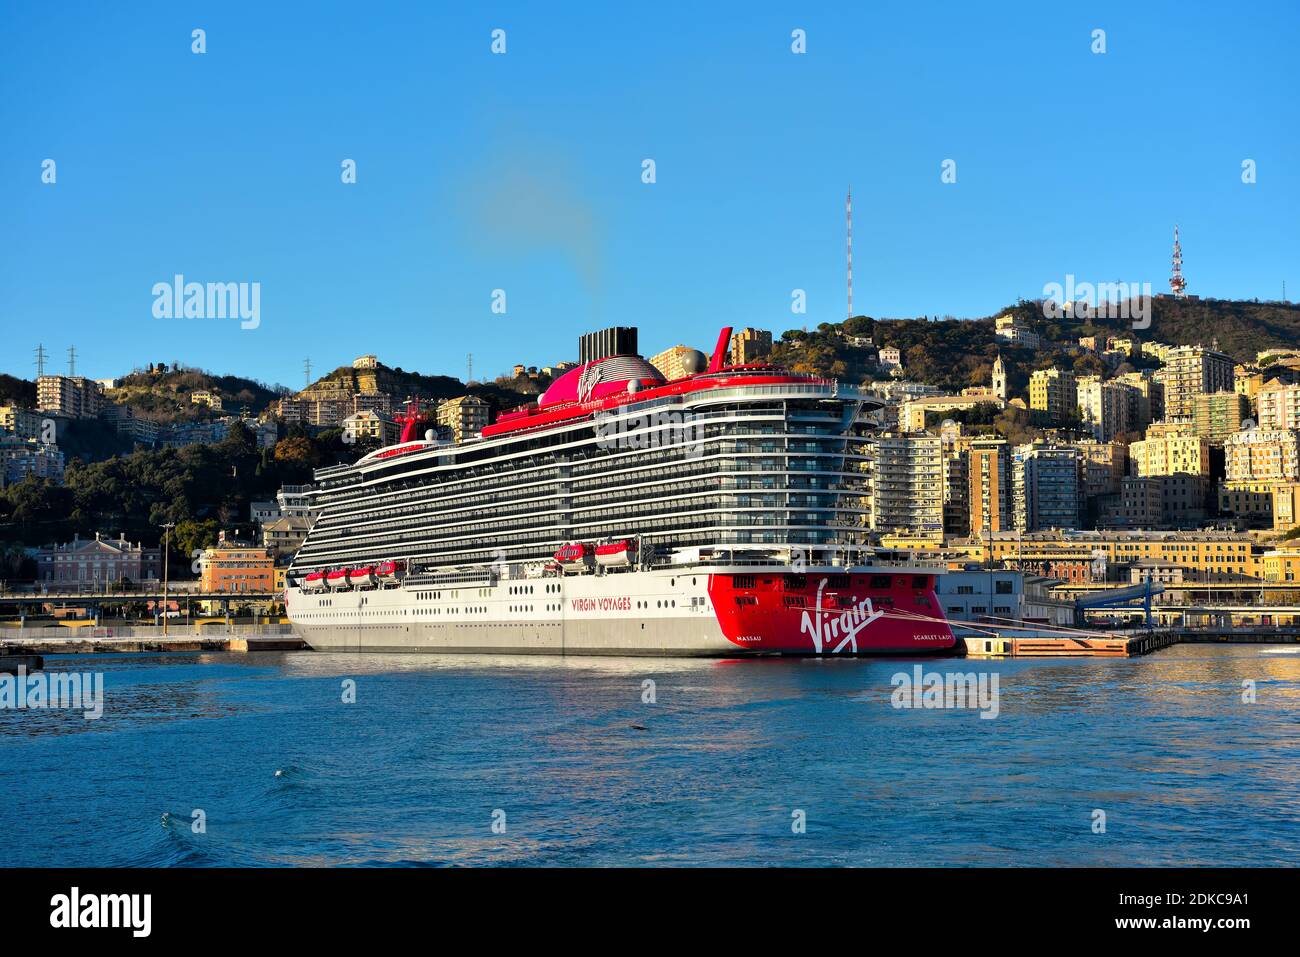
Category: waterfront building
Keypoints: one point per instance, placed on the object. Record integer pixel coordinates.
(1207, 555)
(1001, 597)
(97, 561)
(956, 481)
(235, 566)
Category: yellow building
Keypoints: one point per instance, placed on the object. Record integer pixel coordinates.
(465, 416)
(1054, 392)
(1170, 455)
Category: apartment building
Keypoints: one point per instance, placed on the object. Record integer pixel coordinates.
(750, 345)
(466, 416)
(1054, 393)
(1170, 455)
(1107, 408)
(905, 482)
(1045, 486)
(989, 492)
(73, 396)
(1218, 415)
(1190, 371)
(234, 566)
(1279, 406)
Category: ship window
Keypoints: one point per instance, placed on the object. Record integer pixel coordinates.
(920, 581)
(880, 581)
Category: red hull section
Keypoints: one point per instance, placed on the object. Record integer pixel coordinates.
(857, 613)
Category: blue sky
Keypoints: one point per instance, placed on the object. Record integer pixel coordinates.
(522, 171)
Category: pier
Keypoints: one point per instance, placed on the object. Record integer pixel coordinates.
(144, 640)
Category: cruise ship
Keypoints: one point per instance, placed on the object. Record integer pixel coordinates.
(719, 513)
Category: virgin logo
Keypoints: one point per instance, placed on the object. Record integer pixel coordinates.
(826, 627)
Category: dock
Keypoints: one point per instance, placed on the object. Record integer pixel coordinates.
(40, 645)
(9, 664)
(1071, 646)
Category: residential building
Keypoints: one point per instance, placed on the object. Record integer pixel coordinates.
(989, 489)
(1054, 393)
(283, 536)
(26, 424)
(20, 459)
(1190, 371)
(365, 362)
(1259, 455)
(371, 426)
(750, 345)
(1218, 415)
(74, 396)
(1279, 406)
(97, 561)
(905, 482)
(678, 362)
(1139, 504)
(890, 359)
(1016, 332)
(466, 416)
(204, 397)
(1107, 408)
(1045, 486)
(1149, 400)
(1170, 455)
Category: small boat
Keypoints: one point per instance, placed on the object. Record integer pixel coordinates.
(362, 577)
(389, 571)
(611, 554)
(337, 580)
(575, 553)
(314, 582)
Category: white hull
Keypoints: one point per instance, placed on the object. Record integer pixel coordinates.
(662, 612)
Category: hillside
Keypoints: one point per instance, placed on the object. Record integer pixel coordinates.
(15, 391)
(501, 394)
(956, 353)
(164, 395)
(1242, 327)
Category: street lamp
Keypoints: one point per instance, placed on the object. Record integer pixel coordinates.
(167, 531)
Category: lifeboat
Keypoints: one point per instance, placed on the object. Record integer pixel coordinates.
(337, 580)
(362, 577)
(610, 554)
(389, 571)
(575, 553)
(314, 582)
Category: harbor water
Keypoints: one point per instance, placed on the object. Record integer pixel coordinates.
(1190, 756)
